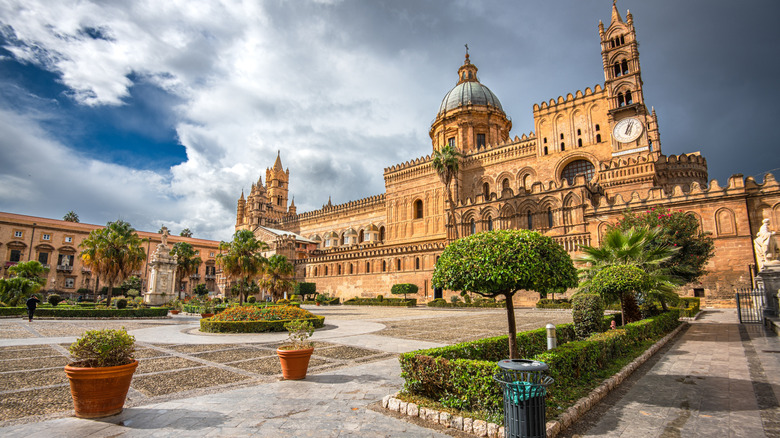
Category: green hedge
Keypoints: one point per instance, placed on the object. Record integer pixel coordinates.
(689, 306)
(547, 303)
(209, 326)
(461, 376)
(397, 302)
(331, 302)
(441, 302)
(57, 312)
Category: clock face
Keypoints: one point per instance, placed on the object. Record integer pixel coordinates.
(627, 130)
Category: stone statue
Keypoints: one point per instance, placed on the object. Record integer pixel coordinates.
(763, 247)
(165, 236)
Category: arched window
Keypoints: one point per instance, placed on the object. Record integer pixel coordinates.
(351, 269)
(579, 132)
(473, 227)
(381, 234)
(549, 218)
(418, 209)
(598, 128)
(486, 191)
(326, 270)
(398, 264)
(621, 100)
(563, 147)
(338, 270)
(490, 224)
(629, 99)
(342, 239)
(616, 69)
(361, 237)
(545, 150)
(579, 142)
(416, 263)
(368, 267)
(561, 136)
(505, 184)
(598, 138)
(530, 218)
(384, 266)
(315, 271)
(578, 167)
(624, 67)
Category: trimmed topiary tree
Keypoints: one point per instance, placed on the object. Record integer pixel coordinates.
(622, 282)
(404, 289)
(502, 262)
(305, 289)
(587, 313)
(54, 299)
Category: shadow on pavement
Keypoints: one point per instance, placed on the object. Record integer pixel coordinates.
(180, 419)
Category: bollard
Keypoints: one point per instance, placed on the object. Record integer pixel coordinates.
(552, 341)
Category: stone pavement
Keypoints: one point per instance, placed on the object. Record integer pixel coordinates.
(718, 379)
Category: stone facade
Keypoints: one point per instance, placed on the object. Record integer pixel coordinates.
(594, 154)
(55, 243)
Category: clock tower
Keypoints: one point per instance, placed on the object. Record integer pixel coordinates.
(633, 128)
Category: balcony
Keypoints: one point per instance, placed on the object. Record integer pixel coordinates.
(195, 276)
(87, 271)
(9, 264)
(211, 277)
(65, 268)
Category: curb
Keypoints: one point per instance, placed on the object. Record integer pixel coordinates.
(584, 404)
(482, 428)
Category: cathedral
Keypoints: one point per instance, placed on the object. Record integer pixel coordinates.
(592, 155)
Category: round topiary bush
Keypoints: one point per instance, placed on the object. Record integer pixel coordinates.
(622, 282)
(251, 299)
(54, 299)
(121, 303)
(588, 314)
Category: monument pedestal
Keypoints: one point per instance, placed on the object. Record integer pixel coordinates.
(768, 280)
(163, 274)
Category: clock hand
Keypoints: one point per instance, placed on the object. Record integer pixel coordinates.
(628, 128)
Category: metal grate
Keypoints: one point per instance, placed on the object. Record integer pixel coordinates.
(750, 306)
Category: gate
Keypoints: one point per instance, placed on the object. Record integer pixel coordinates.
(750, 306)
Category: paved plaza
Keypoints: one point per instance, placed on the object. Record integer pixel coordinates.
(716, 379)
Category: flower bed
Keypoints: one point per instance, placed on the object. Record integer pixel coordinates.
(398, 302)
(255, 319)
(461, 376)
(72, 312)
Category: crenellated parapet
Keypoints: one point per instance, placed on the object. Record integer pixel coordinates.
(346, 253)
(357, 206)
(681, 170)
(570, 99)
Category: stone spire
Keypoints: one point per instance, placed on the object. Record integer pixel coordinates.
(278, 162)
(615, 13)
(468, 71)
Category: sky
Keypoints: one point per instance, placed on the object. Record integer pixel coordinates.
(161, 113)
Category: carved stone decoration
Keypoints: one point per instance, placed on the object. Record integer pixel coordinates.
(764, 247)
(163, 270)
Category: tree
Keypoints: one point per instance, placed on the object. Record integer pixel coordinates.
(241, 260)
(446, 162)
(678, 230)
(277, 276)
(113, 253)
(186, 262)
(27, 279)
(133, 282)
(621, 282)
(32, 270)
(200, 289)
(404, 289)
(636, 247)
(71, 216)
(502, 262)
(305, 289)
(185, 233)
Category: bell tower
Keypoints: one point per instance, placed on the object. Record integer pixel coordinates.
(634, 128)
(277, 180)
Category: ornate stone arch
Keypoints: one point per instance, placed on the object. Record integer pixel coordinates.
(580, 155)
(698, 219)
(506, 217)
(526, 177)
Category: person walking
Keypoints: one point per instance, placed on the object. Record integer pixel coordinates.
(32, 302)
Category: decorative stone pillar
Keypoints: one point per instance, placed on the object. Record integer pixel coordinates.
(163, 274)
(768, 280)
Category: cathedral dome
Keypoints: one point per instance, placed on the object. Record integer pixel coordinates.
(469, 93)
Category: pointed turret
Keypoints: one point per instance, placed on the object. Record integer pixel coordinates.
(615, 14)
(292, 209)
(278, 162)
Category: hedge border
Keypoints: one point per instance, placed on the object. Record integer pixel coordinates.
(207, 325)
(453, 375)
(475, 304)
(392, 302)
(51, 312)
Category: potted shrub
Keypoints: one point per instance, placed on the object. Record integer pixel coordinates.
(295, 354)
(207, 311)
(320, 299)
(177, 305)
(101, 372)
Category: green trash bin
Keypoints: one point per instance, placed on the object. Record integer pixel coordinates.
(525, 387)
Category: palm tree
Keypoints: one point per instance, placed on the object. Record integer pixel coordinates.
(634, 247)
(445, 162)
(113, 253)
(185, 233)
(277, 276)
(28, 278)
(71, 216)
(242, 259)
(186, 262)
(32, 270)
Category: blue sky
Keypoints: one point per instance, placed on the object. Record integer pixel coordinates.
(162, 112)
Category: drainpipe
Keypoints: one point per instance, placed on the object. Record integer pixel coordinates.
(32, 240)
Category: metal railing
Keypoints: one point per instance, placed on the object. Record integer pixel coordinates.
(750, 306)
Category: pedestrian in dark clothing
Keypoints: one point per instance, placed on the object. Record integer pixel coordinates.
(32, 302)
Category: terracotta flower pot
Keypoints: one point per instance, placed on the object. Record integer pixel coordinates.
(174, 312)
(206, 315)
(99, 392)
(294, 363)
